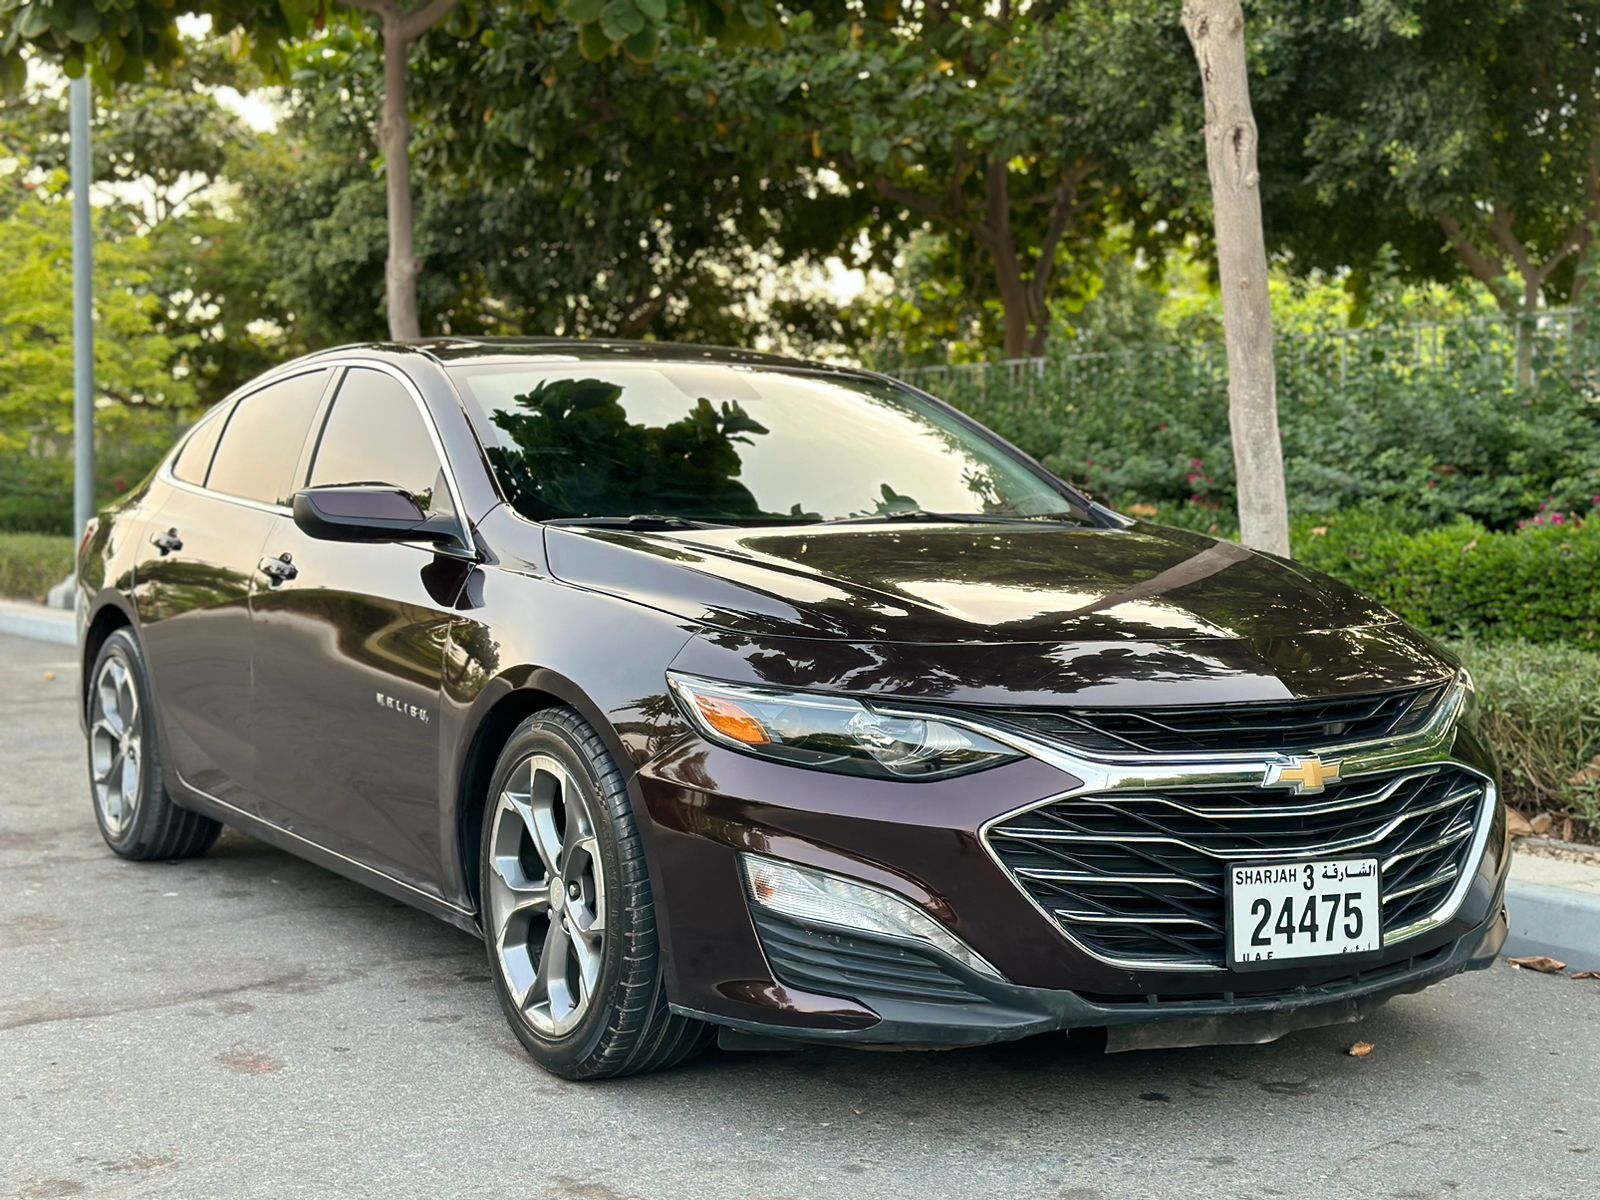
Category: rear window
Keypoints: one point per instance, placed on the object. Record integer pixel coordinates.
(194, 460)
(263, 439)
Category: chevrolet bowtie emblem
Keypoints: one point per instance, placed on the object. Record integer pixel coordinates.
(1302, 774)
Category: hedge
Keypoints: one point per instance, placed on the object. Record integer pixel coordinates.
(1540, 584)
(1426, 417)
(1540, 708)
(33, 563)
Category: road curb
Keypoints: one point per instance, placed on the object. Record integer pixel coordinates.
(37, 622)
(1562, 922)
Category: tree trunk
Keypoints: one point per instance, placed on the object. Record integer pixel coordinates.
(394, 140)
(997, 236)
(1216, 31)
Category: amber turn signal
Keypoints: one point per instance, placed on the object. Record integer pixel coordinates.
(731, 720)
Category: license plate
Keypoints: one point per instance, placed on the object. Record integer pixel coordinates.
(1293, 911)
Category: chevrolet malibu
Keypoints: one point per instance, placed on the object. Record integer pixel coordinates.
(729, 697)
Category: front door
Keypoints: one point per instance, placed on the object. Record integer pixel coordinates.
(222, 498)
(349, 644)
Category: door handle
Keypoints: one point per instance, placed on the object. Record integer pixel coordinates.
(166, 542)
(278, 569)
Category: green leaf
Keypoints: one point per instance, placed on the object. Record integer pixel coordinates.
(583, 12)
(86, 26)
(620, 19)
(32, 21)
(655, 11)
(643, 46)
(593, 44)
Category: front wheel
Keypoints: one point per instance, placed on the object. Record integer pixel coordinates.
(568, 915)
(136, 816)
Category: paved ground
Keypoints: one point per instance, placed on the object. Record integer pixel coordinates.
(247, 1025)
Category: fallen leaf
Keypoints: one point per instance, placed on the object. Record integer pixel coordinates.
(1586, 975)
(1319, 531)
(1566, 830)
(49, 676)
(1588, 774)
(1541, 823)
(1143, 510)
(1517, 824)
(1361, 1050)
(1540, 962)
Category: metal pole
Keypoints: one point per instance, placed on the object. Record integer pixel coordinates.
(82, 312)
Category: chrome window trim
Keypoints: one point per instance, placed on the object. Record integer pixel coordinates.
(339, 369)
(232, 401)
(344, 366)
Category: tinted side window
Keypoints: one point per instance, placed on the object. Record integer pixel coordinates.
(194, 460)
(374, 434)
(263, 440)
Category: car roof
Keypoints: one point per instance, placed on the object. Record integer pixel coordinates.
(456, 351)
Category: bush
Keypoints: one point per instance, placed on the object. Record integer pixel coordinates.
(33, 563)
(36, 490)
(1538, 584)
(1540, 708)
(1424, 417)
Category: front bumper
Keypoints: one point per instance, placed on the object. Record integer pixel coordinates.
(704, 806)
(997, 1012)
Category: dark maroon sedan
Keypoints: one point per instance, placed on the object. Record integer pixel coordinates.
(728, 693)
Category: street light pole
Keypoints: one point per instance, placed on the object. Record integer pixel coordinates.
(82, 311)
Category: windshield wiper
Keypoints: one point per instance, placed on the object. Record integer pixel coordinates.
(923, 514)
(637, 521)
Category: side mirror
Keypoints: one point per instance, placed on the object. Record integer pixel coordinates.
(370, 513)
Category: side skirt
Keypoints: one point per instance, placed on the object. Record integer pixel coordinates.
(330, 860)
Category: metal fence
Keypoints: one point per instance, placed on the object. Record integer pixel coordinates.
(1490, 350)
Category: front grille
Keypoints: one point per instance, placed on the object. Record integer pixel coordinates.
(856, 968)
(1228, 728)
(1138, 876)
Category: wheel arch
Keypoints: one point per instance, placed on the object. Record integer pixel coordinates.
(505, 703)
(108, 614)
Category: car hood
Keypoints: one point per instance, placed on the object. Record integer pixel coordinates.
(962, 583)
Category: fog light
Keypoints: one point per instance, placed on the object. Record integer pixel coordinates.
(819, 898)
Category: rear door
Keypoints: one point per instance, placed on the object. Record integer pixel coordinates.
(226, 488)
(349, 648)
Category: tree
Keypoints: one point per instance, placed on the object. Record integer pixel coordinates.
(119, 39)
(1216, 29)
(162, 157)
(640, 219)
(937, 113)
(1479, 132)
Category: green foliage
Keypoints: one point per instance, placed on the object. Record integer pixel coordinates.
(132, 359)
(640, 219)
(1483, 124)
(1424, 416)
(1534, 584)
(993, 134)
(1539, 706)
(120, 41)
(32, 563)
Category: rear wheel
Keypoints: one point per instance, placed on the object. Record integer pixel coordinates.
(568, 915)
(136, 816)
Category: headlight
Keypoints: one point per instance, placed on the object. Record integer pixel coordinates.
(832, 733)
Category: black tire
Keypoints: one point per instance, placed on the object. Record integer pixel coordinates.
(627, 1028)
(156, 828)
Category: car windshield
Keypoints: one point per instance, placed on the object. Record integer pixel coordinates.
(735, 444)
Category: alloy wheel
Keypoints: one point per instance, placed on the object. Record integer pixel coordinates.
(547, 897)
(115, 745)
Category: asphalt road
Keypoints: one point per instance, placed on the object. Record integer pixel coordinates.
(248, 1025)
